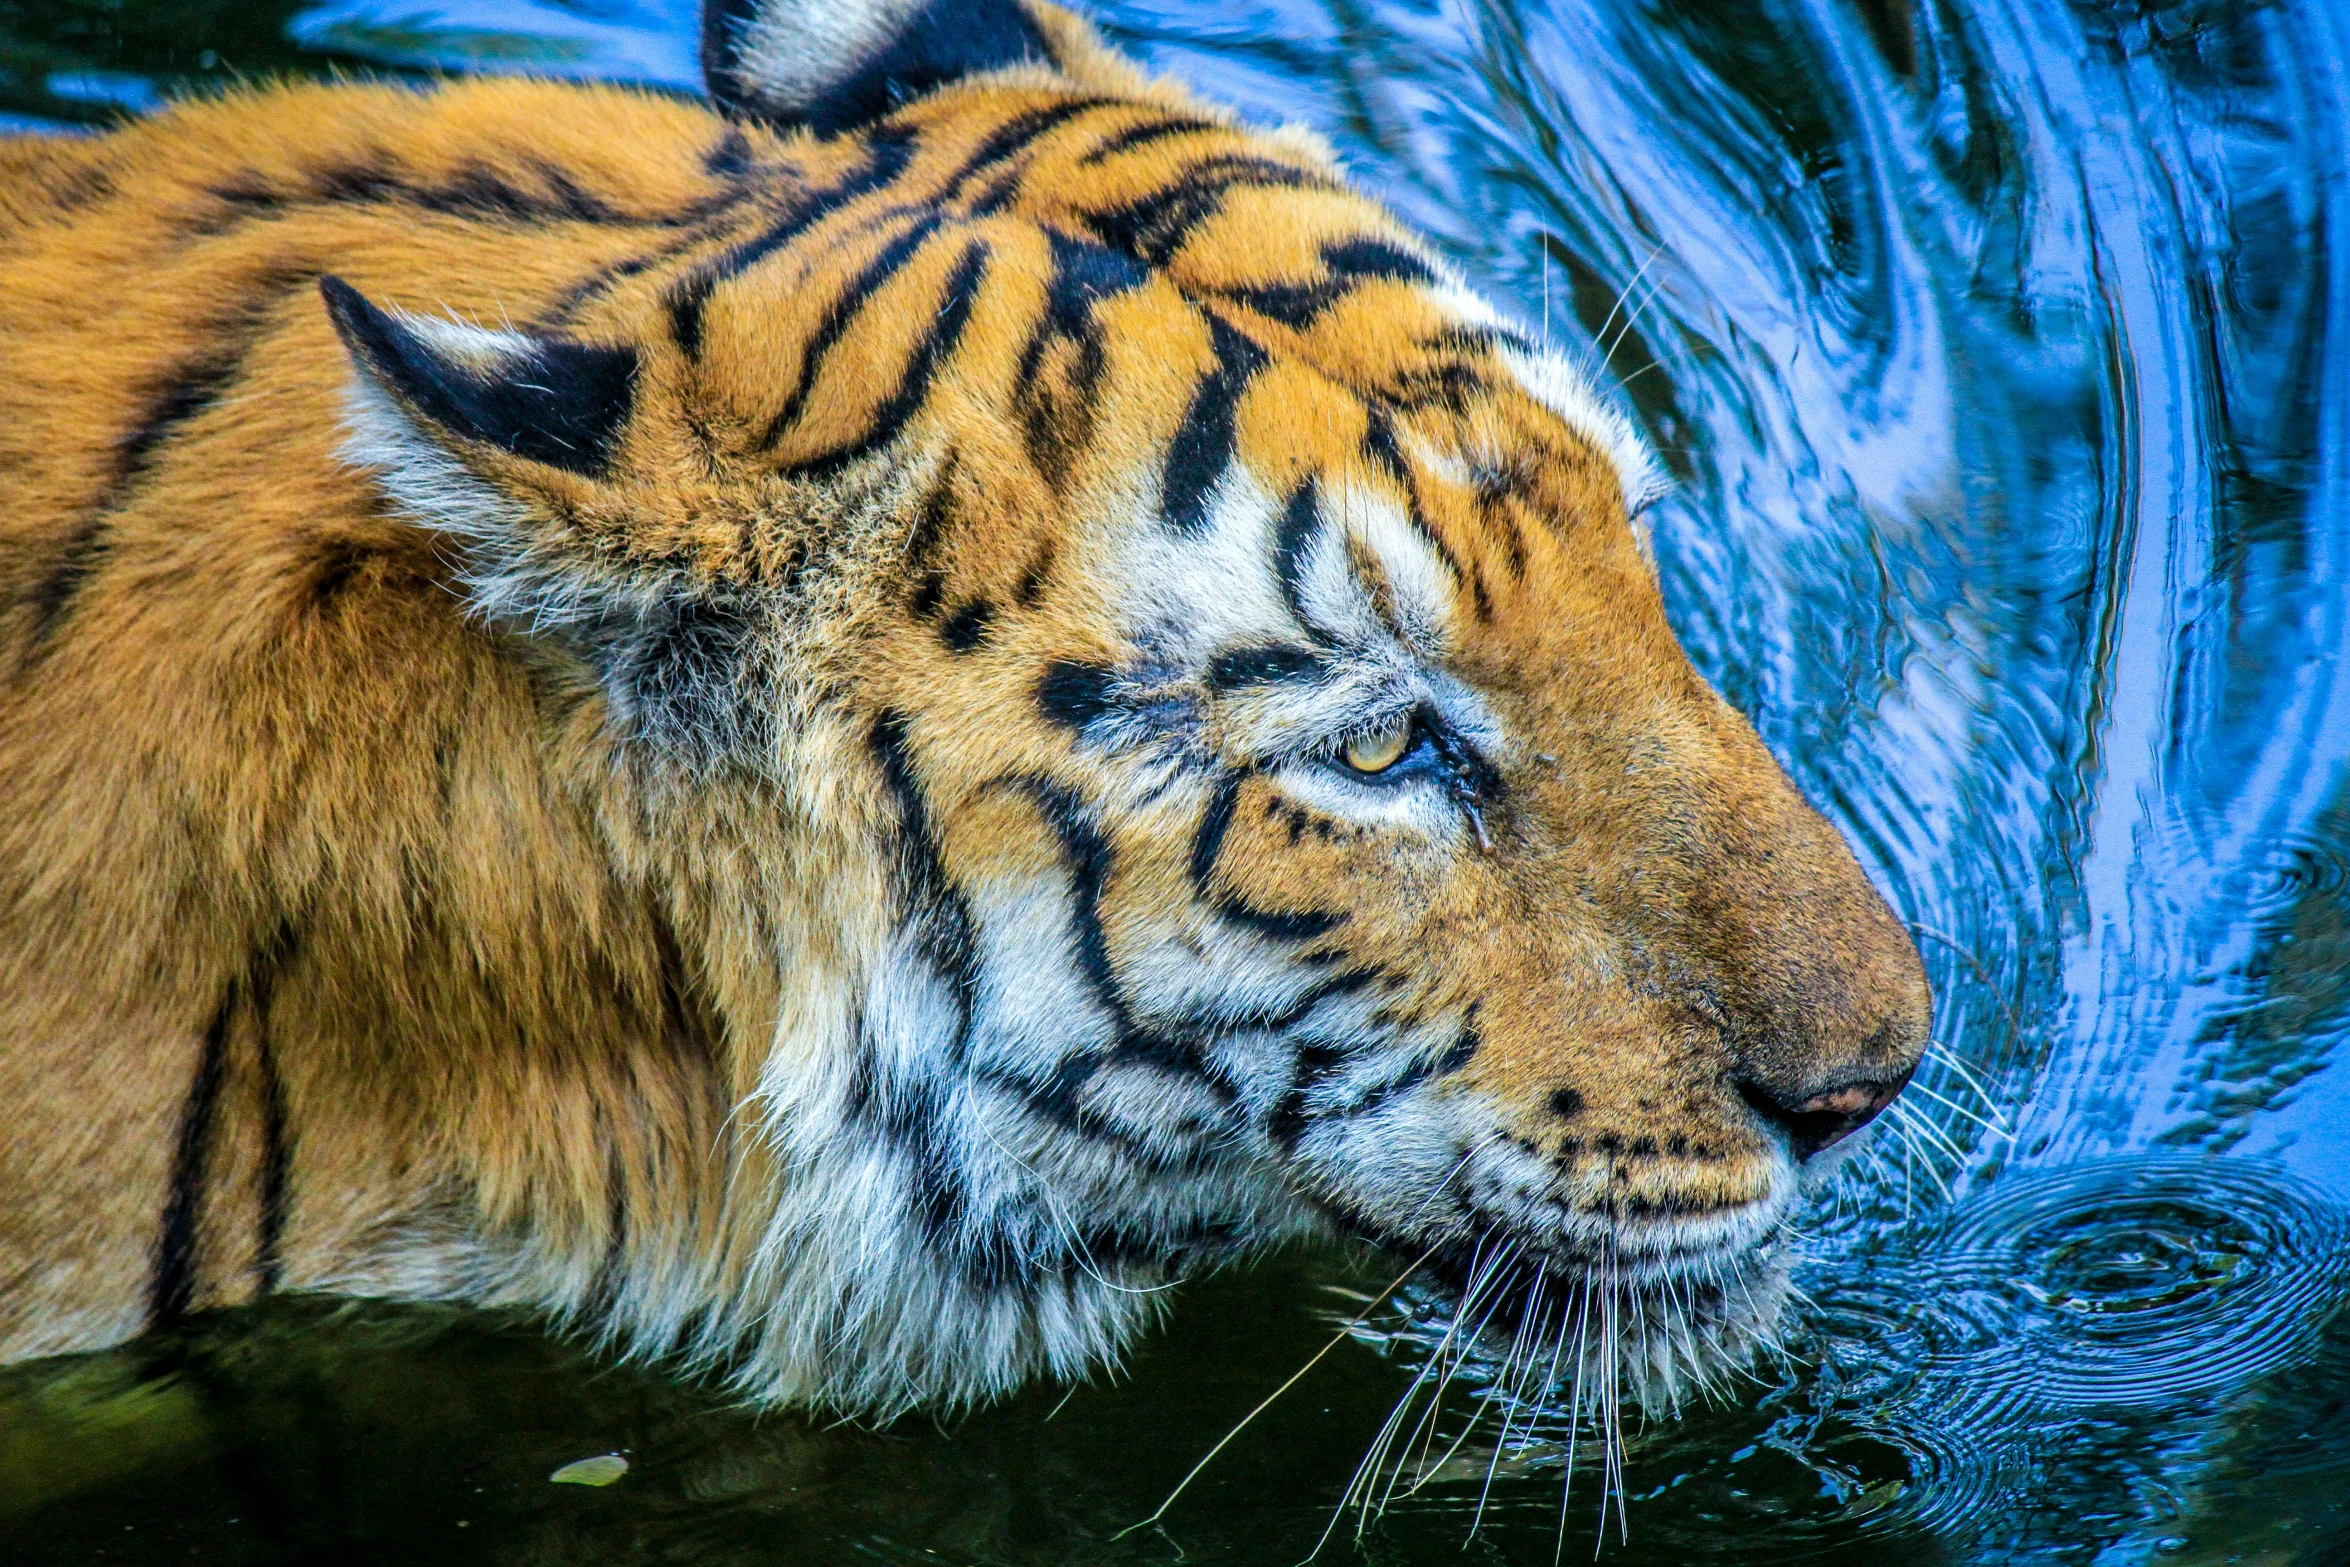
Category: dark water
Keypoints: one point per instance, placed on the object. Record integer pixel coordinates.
(2002, 352)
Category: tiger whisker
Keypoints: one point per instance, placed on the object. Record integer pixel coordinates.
(1424, 1432)
(1607, 349)
(1374, 1460)
(1914, 1156)
(1495, 1395)
(1359, 1318)
(1914, 1119)
(1517, 1396)
(1995, 1124)
(1966, 1076)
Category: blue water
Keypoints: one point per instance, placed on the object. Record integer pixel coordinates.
(2001, 353)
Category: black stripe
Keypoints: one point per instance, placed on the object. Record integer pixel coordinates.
(1208, 843)
(935, 907)
(568, 305)
(1349, 263)
(1033, 581)
(1084, 274)
(475, 194)
(1057, 420)
(1316, 1061)
(171, 1286)
(954, 313)
(731, 157)
(1381, 447)
(1057, 1100)
(612, 1269)
(1003, 185)
(1154, 227)
(1448, 384)
(1289, 1015)
(1087, 856)
(1202, 448)
(185, 392)
(83, 554)
(684, 306)
(1451, 1059)
(837, 317)
(277, 1162)
(888, 151)
(277, 1151)
(932, 524)
(1073, 695)
(906, 1114)
(339, 563)
(1271, 664)
(967, 627)
(1214, 823)
(1280, 925)
(1000, 191)
(1144, 134)
(194, 386)
(1017, 134)
(576, 202)
(937, 517)
(1300, 520)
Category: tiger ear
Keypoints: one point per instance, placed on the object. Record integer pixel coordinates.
(831, 64)
(539, 398)
(438, 407)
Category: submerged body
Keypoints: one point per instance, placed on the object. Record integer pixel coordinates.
(833, 742)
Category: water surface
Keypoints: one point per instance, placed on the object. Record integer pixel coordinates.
(1999, 351)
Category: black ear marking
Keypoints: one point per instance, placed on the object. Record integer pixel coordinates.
(544, 399)
(831, 64)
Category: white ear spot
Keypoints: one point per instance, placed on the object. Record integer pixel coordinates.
(1551, 380)
(796, 53)
(417, 473)
(478, 349)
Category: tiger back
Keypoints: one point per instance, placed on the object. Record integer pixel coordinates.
(831, 736)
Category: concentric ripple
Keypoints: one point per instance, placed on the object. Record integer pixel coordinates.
(2130, 1283)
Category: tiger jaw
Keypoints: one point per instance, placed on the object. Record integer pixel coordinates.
(1580, 1340)
(1517, 1246)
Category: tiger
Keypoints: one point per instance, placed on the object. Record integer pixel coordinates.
(831, 735)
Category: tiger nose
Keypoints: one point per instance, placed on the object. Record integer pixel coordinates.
(1821, 1119)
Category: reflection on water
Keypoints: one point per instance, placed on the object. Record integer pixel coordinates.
(2000, 351)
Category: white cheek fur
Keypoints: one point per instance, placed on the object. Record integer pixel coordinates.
(1417, 808)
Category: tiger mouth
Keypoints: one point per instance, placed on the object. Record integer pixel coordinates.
(1664, 1328)
(1662, 1308)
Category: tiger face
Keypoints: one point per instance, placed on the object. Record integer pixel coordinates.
(1238, 776)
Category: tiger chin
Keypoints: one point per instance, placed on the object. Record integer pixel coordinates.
(829, 736)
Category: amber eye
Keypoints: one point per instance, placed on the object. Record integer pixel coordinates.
(1376, 750)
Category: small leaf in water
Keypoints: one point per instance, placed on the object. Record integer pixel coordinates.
(600, 1470)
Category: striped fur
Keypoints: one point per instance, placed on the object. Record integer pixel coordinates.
(733, 730)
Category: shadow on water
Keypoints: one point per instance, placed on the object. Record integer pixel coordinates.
(1998, 350)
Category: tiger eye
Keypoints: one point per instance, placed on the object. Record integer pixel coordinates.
(1376, 750)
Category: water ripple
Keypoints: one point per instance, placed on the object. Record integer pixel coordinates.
(2135, 1283)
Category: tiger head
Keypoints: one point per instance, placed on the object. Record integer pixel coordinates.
(1203, 707)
